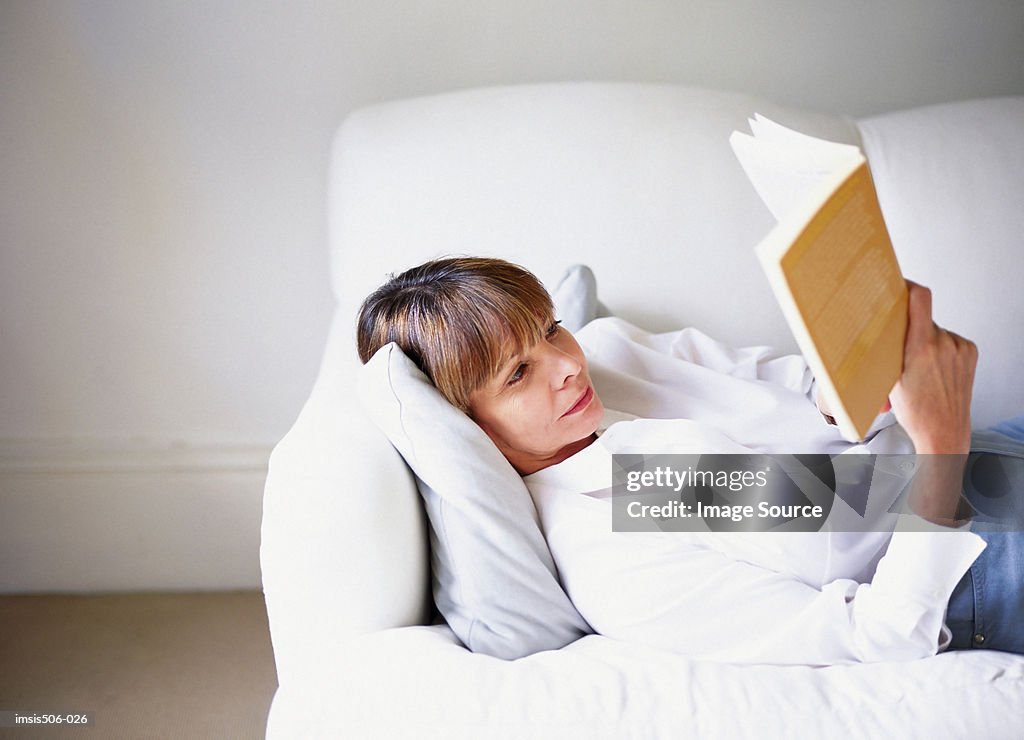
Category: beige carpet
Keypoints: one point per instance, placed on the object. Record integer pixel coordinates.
(145, 665)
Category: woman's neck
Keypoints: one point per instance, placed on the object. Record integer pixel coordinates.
(528, 467)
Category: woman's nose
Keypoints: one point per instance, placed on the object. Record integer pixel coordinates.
(567, 366)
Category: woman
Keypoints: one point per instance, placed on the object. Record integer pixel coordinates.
(483, 330)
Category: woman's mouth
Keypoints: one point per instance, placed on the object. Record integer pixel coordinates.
(581, 403)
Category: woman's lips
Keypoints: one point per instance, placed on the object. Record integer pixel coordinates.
(581, 403)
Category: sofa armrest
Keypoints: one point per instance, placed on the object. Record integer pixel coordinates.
(344, 547)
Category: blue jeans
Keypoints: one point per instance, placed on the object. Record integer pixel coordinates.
(986, 609)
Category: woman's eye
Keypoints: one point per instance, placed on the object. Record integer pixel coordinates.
(518, 374)
(553, 329)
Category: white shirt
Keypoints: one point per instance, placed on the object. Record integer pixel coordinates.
(807, 598)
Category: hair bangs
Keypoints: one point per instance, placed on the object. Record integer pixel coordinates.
(491, 329)
(462, 320)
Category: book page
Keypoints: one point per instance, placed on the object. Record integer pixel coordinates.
(847, 287)
(783, 169)
(767, 130)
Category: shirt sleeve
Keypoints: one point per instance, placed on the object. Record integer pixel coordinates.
(706, 604)
(883, 420)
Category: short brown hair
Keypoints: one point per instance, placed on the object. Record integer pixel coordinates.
(460, 319)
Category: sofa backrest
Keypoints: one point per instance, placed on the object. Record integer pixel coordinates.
(637, 181)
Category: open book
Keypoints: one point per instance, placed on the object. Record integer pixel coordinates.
(831, 265)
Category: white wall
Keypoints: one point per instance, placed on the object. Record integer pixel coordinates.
(163, 290)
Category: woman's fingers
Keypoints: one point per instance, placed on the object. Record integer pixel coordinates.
(920, 327)
(933, 396)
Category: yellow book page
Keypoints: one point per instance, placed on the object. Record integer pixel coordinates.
(848, 289)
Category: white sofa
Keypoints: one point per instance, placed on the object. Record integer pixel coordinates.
(639, 182)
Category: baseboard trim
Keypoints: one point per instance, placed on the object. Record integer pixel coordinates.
(69, 457)
(93, 516)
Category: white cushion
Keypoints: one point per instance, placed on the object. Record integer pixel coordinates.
(950, 180)
(494, 577)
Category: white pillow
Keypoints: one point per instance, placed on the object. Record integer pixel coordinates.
(494, 577)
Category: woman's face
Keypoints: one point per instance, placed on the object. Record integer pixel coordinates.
(541, 407)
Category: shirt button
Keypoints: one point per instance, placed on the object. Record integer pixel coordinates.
(979, 639)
